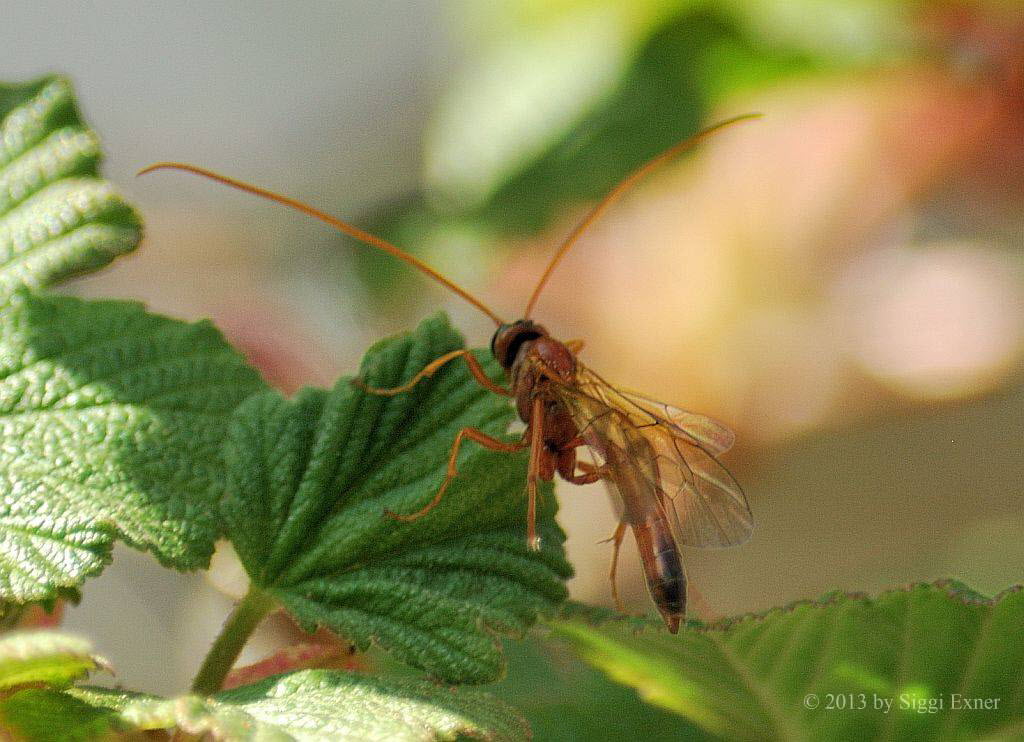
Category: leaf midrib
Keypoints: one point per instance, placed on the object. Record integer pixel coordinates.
(780, 721)
(970, 667)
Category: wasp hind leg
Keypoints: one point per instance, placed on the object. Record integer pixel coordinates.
(616, 539)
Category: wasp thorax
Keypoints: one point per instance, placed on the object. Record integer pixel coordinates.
(557, 359)
(508, 339)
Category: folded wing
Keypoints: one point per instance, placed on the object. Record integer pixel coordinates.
(661, 454)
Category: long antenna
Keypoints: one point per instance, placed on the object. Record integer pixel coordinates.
(338, 224)
(619, 190)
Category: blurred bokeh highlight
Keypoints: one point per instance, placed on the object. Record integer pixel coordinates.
(840, 281)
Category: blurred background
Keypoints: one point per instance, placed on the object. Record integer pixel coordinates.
(840, 281)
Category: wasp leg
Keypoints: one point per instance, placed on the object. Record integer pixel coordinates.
(474, 435)
(431, 368)
(584, 478)
(536, 433)
(567, 465)
(590, 474)
(616, 539)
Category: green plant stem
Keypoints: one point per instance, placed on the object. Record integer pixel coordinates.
(246, 616)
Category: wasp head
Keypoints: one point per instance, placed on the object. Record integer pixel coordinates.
(508, 339)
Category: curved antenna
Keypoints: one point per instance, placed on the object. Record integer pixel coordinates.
(338, 224)
(619, 190)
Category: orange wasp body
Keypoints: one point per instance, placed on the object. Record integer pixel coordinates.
(660, 461)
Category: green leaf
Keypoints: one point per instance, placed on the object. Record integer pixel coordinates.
(324, 705)
(899, 666)
(57, 217)
(44, 715)
(309, 483)
(565, 699)
(113, 420)
(45, 657)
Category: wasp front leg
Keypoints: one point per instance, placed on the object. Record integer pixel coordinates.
(478, 436)
(433, 367)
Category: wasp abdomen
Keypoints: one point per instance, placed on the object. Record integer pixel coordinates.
(663, 568)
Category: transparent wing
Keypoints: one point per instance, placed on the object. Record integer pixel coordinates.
(671, 455)
(709, 434)
(705, 432)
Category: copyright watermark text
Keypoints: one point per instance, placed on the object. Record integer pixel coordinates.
(902, 702)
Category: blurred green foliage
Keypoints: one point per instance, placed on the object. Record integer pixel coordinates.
(674, 64)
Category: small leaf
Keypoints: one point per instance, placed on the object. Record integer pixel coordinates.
(324, 705)
(44, 715)
(113, 420)
(900, 666)
(309, 483)
(57, 217)
(45, 657)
